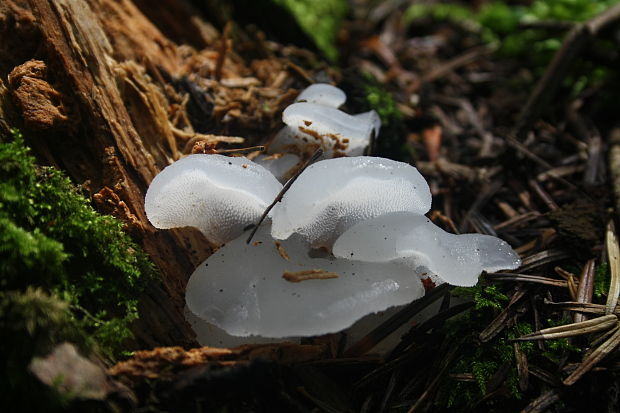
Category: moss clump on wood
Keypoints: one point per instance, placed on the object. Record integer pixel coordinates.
(31, 323)
(52, 238)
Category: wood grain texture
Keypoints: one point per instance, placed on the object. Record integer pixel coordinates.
(118, 136)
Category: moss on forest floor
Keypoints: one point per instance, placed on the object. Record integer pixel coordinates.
(67, 273)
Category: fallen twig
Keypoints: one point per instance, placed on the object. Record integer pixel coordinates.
(593, 358)
(286, 187)
(299, 276)
(542, 402)
(573, 329)
(613, 251)
(585, 289)
(537, 279)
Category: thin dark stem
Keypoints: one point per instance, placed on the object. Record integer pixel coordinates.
(223, 50)
(286, 187)
(259, 148)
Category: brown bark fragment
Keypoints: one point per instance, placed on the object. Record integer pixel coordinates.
(108, 202)
(300, 276)
(166, 361)
(281, 250)
(39, 103)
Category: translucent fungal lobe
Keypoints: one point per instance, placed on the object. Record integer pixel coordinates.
(335, 194)
(219, 195)
(241, 289)
(415, 241)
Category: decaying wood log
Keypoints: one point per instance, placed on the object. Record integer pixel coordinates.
(103, 94)
(107, 149)
(165, 361)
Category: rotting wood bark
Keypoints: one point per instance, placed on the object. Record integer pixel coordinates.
(165, 361)
(118, 101)
(115, 157)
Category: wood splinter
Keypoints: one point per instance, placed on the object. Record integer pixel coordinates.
(299, 276)
(281, 250)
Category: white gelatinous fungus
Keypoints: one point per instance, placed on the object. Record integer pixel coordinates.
(241, 289)
(315, 121)
(282, 166)
(332, 129)
(334, 194)
(323, 94)
(413, 240)
(219, 195)
(366, 211)
(373, 118)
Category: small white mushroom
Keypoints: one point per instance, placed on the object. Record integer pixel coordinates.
(413, 240)
(334, 130)
(219, 195)
(323, 94)
(241, 289)
(370, 207)
(315, 121)
(373, 118)
(335, 194)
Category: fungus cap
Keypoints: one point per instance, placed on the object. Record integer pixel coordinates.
(315, 121)
(373, 118)
(329, 127)
(241, 289)
(323, 94)
(219, 195)
(334, 194)
(413, 240)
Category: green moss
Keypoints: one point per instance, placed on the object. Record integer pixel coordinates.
(320, 20)
(556, 350)
(484, 296)
(482, 360)
(439, 11)
(498, 23)
(31, 323)
(382, 101)
(51, 237)
(602, 278)
(27, 252)
(489, 297)
(482, 371)
(566, 10)
(364, 93)
(521, 329)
